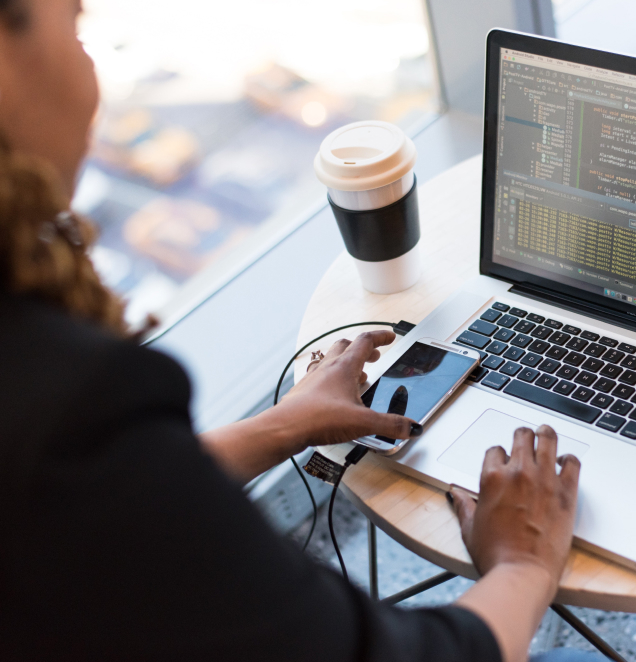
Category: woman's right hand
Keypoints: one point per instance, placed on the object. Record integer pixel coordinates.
(525, 513)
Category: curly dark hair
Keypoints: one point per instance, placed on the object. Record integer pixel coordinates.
(44, 248)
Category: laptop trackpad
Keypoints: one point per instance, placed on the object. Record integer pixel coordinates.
(494, 428)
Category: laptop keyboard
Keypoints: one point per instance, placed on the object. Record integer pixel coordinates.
(561, 367)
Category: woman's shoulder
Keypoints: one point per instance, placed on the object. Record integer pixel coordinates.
(30, 319)
(55, 361)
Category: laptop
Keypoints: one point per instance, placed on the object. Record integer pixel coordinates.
(553, 312)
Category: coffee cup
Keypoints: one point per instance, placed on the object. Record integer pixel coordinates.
(368, 170)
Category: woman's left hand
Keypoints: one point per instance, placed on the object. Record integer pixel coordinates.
(325, 406)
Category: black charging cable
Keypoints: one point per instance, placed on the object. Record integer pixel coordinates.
(353, 457)
(401, 329)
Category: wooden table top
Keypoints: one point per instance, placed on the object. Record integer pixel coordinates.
(414, 513)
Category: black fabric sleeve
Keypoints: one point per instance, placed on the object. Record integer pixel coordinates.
(131, 544)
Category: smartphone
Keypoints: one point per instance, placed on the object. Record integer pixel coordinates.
(427, 373)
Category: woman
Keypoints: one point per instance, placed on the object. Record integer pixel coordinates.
(125, 537)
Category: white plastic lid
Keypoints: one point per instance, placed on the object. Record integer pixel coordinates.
(364, 155)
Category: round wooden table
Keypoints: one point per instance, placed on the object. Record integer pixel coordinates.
(411, 512)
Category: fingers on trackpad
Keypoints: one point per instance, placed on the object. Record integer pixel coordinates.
(494, 428)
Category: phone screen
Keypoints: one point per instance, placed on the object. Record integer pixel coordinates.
(416, 382)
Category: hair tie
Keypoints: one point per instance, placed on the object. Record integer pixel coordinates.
(65, 225)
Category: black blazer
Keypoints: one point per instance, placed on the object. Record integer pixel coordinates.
(120, 539)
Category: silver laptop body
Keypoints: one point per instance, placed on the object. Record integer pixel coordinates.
(554, 311)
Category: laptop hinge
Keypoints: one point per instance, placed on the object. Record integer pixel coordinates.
(624, 320)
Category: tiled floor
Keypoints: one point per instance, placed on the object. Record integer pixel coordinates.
(604, 24)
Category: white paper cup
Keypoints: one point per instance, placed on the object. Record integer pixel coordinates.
(374, 198)
(368, 170)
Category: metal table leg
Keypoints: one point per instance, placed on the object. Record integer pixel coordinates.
(432, 582)
(373, 560)
(562, 611)
(587, 633)
(406, 593)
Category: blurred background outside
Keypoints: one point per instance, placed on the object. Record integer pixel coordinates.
(212, 113)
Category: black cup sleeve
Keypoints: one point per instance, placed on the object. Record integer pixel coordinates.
(381, 234)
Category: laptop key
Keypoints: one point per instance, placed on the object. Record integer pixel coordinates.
(535, 318)
(567, 372)
(556, 352)
(577, 344)
(497, 347)
(594, 350)
(573, 330)
(589, 335)
(477, 374)
(542, 333)
(528, 375)
(501, 306)
(611, 422)
(531, 359)
(593, 365)
(493, 362)
(513, 353)
(553, 324)
(546, 381)
(553, 401)
(495, 380)
(508, 321)
(539, 346)
(614, 356)
(521, 341)
(602, 400)
(473, 339)
(612, 371)
(518, 312)
(564, 388)
(585, 378)
(629, 430)
(560, 338)
(524, 327)
(628, 377)
(623, 391)
(628, 349)
(490, 316)
(485, 328)
(610, 342)
(504, 334)
(510, 369)
(583, 394)
(549, 366)
(621, 408)
(629, 362)
(574, 359)
(605, 385)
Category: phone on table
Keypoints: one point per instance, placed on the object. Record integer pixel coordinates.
(417, 385)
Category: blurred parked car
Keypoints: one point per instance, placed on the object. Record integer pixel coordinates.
(131, 141)
(182, 235)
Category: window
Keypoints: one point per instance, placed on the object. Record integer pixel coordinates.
(603, 24)
(212, 114)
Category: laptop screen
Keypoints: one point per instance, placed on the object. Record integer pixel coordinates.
(565, 189)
